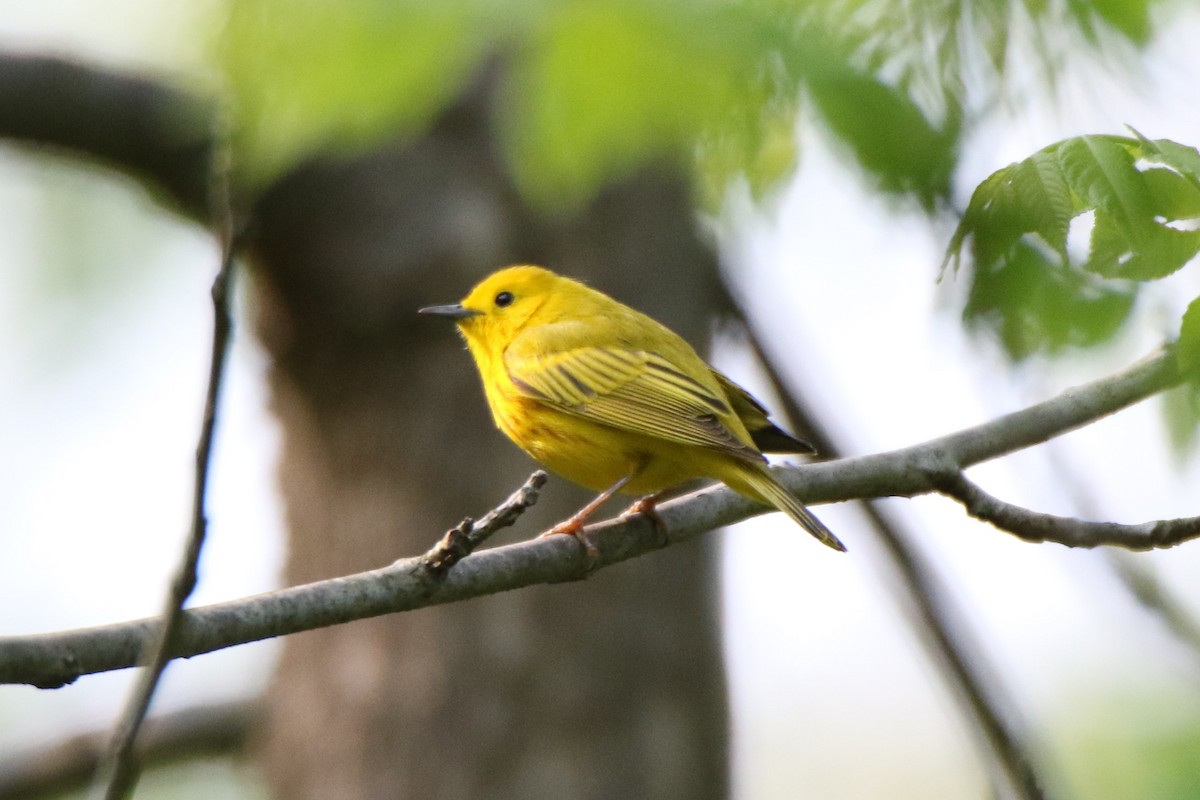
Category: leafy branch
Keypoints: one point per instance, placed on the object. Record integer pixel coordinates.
(53, 660)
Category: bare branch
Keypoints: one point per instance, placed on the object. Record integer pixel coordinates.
(461, 540)
(910, 470)
(116, 773)
(52, 660)
(1032, 526)
(161, 136)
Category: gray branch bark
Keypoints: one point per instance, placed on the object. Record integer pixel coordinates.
(1033, 526)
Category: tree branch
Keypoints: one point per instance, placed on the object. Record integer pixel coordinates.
(910, 470)
(116, 774)
(461, 540)
(1032, 526)
(159, 135)
(52, 660)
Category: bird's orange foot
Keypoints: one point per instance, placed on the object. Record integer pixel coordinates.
(574, 527)
(648, 507)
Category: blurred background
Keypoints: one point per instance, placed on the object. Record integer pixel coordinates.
(797, 168)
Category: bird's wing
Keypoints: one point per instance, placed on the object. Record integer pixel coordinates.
(768, 437)
(630, 390)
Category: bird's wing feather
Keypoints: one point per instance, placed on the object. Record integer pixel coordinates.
(631, 390)
(768, 437)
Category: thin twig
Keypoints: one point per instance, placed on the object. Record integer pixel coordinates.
(1032, 526)
(461, 540)
(1136, 576)
(939, 623)
(117, 774)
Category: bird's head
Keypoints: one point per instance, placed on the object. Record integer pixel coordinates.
(501, 305)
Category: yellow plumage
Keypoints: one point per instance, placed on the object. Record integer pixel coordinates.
(611, 399)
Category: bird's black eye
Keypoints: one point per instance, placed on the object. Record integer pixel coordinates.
(504, 299)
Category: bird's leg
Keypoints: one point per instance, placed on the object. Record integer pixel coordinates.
(574, 525)
(648, 507)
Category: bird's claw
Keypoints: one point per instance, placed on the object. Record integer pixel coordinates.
(574, 528)
(648, 507)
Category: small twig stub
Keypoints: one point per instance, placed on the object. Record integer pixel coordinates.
(461, 540)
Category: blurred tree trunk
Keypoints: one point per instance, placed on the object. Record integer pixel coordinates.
(609, 688)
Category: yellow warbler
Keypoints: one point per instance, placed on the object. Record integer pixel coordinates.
(614, 401)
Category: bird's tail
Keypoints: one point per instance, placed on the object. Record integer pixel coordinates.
(761, 485)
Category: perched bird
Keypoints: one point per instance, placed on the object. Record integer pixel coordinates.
(614, 401)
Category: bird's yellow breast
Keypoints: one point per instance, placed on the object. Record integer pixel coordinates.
(593, 456)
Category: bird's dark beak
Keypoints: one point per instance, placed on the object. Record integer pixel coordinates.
(456, 311)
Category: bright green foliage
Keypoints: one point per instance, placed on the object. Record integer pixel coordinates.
(310, 76)
(1034, 303)
(1143, 198)
(946, 54)
(889, 135)
(602, 87)
(593, 90)
(755, 137)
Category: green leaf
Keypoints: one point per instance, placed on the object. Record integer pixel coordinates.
(1046, 204)
(987, 223)
(1034, 303)
(1181, 406)
(1189, 341)
(1031, 196)
(603, 87)
(1161, 251)
(1172, 195)
(310, 76)
(1109, 246)
(1181, 415)
(1144, 197)
(888, 133)
(1179, 157)
(1100, 170)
